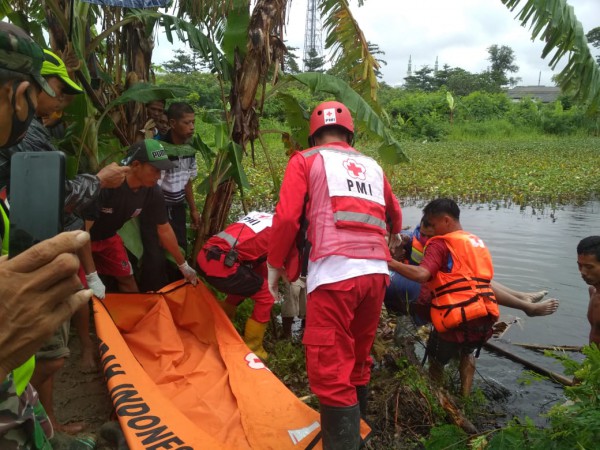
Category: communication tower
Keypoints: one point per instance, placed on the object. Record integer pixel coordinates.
(313, 45)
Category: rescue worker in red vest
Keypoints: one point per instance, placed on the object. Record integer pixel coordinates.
(458, 269)
(348, 203)
(233, 261)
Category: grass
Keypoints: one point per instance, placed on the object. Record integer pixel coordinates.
(538, 171)
(526, 172)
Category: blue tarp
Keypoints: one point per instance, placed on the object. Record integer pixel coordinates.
(131, 3)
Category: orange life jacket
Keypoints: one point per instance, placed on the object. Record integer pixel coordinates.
(465, 293)
(417, 250)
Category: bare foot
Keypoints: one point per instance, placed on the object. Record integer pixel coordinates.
(87, 363)
(534, 297)
(544, 308)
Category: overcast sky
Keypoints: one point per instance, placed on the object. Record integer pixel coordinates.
(458, 32)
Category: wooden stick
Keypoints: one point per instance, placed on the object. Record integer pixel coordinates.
(556, 377)
(566, 348)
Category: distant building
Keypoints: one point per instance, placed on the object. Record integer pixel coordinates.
(545, 94)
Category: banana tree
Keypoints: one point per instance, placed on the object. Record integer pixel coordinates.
(555, 22)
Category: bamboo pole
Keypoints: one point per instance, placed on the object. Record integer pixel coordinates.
(556, 377)
(565, 348)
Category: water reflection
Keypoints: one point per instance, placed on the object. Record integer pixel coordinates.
(533, 249)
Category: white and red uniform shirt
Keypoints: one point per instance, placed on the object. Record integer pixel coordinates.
(250, 235)
(349, 203)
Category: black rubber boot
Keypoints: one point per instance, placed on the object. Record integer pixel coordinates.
(362, 394)
(340, 427)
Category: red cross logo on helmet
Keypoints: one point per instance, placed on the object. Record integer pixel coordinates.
(329, 114)
(355, 169)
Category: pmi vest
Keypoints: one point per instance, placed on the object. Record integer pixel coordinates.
(465, 293)
(355, 184)
(242, 233)
(346, 207)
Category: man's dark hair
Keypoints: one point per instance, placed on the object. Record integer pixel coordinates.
(589, 246)
(178, 109)
(160, 100)
(441, 206)
(333, 130)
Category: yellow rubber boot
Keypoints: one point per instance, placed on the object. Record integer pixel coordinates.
(253, 337)
(229, 310)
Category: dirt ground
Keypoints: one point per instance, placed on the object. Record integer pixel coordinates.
(399, 416)
(82, 397)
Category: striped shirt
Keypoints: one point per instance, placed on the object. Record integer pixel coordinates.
(173, 181)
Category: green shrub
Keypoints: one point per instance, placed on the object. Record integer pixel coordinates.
(481, 106)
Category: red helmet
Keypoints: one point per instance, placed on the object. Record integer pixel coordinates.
(330, 113)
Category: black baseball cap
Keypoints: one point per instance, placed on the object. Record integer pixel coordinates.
(148, 151)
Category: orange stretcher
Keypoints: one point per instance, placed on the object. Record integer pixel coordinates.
(181, 377)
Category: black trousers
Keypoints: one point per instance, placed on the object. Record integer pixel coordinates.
(156, 272)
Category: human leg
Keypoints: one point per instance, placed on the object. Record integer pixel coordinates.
(504, 297)
(532, 297)
(177, 213)
(127, 284)
(111, 260)
(466, 370)
(256, 325)
(328, 343)
(81, 320)
(153, 275)
(330, 355)
(289, 308)
(49, 360)
(439, 353)
(363, 327)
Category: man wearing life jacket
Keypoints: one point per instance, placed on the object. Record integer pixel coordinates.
(457, 267)
(349, 205)
(233, 262)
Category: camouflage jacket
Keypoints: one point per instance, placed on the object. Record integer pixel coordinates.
(23, 421)
(79, 192)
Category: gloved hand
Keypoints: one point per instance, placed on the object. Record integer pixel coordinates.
(188, 273)
(96, 285)
(273, 276)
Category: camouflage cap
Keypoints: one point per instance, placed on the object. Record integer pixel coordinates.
(20, 54)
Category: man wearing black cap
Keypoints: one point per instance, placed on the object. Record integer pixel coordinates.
(114, 207)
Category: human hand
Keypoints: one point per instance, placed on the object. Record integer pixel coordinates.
(188, 273)
(273, 276)
(70, 59)
(96, 285)
(149, 129)
(39, 290)
(112, 176)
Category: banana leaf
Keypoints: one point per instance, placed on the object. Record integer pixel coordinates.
(390, 151)
(236, 30)
(144, 93)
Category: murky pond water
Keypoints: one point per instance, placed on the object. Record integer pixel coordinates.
(533, 250)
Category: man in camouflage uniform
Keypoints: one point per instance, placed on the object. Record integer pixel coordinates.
(39, 288)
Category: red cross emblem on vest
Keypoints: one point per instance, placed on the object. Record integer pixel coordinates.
(355, 169)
